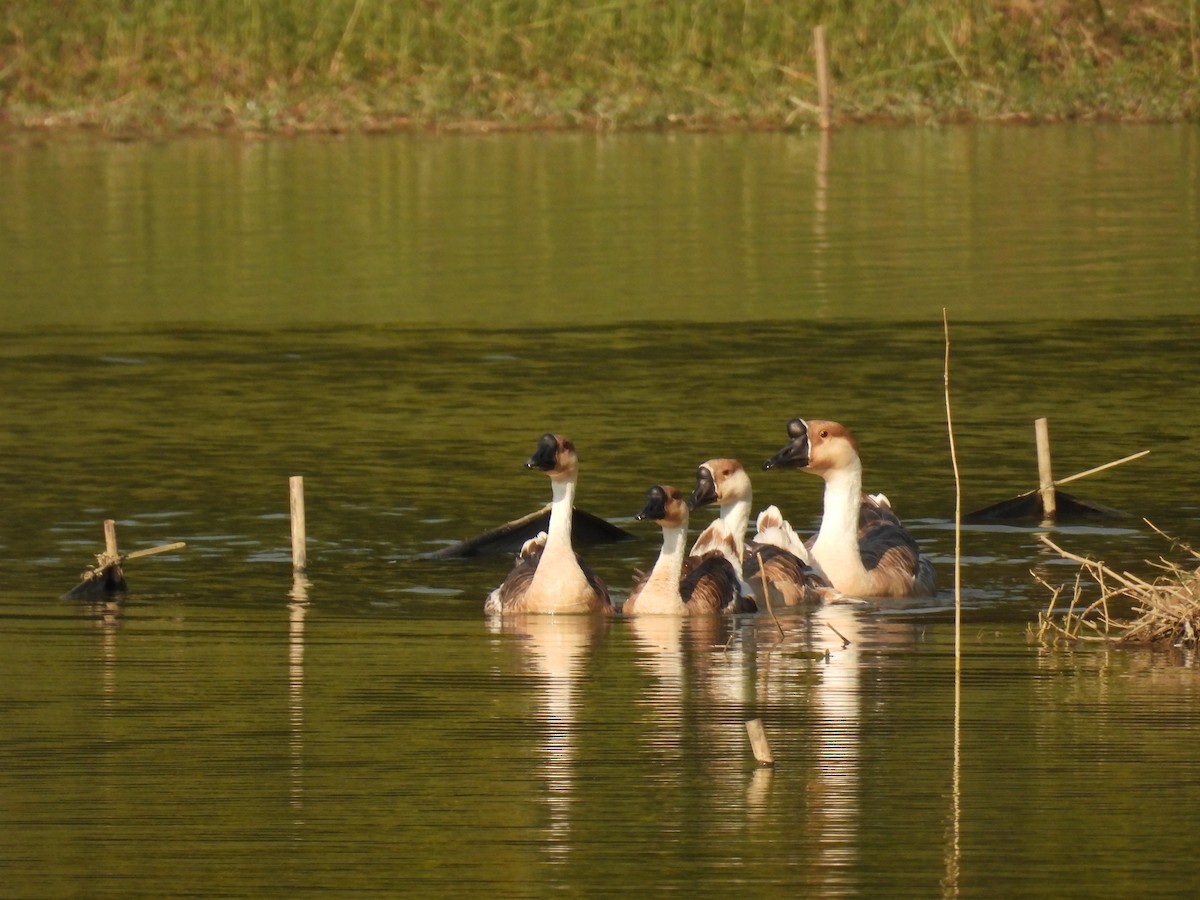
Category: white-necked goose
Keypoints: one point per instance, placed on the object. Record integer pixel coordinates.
(548, 576)
(680, 584)
(861, 546)
(790, 577)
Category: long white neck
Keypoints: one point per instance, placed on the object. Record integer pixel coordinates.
(669, 565)
(836, 547)
(562, 505)
(736, 516)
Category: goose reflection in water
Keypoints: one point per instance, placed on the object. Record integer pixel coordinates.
(703, 681)
(557, 648)
(838, 707)
(815, 666)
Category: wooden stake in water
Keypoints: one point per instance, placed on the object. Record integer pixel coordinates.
(299, 541)
(112, 554)
(758, 743)
(822, 60)
(1045, 477)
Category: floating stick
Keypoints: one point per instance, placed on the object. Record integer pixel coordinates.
(151, 551)
(1107, 465)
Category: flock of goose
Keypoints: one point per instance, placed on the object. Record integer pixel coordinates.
(861, 550)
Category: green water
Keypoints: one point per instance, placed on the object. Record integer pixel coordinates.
(186, 325)
(568, 230)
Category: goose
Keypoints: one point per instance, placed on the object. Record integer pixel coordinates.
(777, 547)
(861, 547)
(680, 584)
(547, 575)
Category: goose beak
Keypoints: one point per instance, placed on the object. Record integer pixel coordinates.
(545, 457)
(706, 489)
(795, 454)
(656, 505)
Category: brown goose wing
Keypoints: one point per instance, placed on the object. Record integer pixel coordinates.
(795, 581)
(892, 547)
(709, 584)
(516, 582)
(873, 513)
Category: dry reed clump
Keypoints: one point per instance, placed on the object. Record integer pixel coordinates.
(1165, 610)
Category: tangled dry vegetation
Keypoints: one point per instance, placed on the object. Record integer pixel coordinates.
(1165, 610)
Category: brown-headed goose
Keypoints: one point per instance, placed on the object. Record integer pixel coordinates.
(790, 577)
(548, 576)
(861, 546)
(679, 584)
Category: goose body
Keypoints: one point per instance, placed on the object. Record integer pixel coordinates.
(861, 546)
(680, 584)
(548, 576)
(780, 554)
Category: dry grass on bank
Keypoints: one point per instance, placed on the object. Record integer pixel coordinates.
(1165, 611)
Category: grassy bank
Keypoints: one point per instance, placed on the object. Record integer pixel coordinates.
(278, 66)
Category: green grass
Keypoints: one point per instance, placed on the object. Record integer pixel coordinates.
(281, 65)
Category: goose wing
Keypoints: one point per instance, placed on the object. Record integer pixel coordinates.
(516, 582)
(709, 584)
(889, 546)
(875, 510)
(773, 528)
(793, 579)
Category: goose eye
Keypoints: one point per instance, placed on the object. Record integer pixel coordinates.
(824, 432)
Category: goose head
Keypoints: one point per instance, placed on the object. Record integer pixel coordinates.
(555, 455)
(720, 481)
(819, 447)
(666, 506)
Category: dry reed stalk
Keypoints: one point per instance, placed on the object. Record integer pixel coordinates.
(957, 498)
(1165, 609)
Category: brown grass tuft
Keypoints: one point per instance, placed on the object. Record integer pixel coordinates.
(1165, 610)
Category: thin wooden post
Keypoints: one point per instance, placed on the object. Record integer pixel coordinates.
(112, 554)
(822, 60)
(299, 541)
(1041, 430)
(759, 743)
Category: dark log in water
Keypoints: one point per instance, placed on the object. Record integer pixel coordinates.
(1028, 507)
(107, 576)
(1047, 503)
(508, 538)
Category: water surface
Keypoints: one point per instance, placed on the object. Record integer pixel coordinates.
(186, 325)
